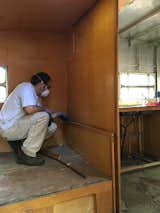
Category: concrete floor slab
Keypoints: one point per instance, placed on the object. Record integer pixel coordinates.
(141, 191)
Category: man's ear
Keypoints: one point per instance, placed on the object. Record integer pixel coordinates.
(41, 83)
(40, 86)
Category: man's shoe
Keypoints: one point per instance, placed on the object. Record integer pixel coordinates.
(16, 145)
(22, 158)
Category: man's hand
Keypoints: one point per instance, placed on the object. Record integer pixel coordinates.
(60, 115)
(54, 115)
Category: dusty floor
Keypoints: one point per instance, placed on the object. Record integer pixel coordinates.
(19, 182)
(141, 191)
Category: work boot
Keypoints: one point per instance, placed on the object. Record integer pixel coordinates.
(22, 158)
(16, 145)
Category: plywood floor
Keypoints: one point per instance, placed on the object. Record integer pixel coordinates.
(141, 191)
(20, 182)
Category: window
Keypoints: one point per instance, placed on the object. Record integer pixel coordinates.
(3, 84)
(135, 88)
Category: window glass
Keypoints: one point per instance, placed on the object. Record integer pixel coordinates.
(2, 75)
(151, 80)
(3, 94)
(138, 80)
(3, 84)
(135, 88)
(124, 79)
(151, 93)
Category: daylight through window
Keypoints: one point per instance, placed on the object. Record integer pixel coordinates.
(3, 84)
(135, 88)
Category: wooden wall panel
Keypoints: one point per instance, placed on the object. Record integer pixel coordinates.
(152, 134)
(4, 146)
(142, 135)
(81, 205)
(26, 53)
(104, 202)
(92, 70)
(92, 196)
(42, 210)
(93, 146)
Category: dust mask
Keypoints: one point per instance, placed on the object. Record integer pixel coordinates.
(45, 93)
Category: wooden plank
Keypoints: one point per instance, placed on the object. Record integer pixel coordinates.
(104, 202)
(52, 200)
(89, 127)
(114, 173)
(92, 66)
(43, 210)
(143, 134)
(36, 51)
(92, 146)
(140, 134)
(80, 205)
(139, 167)
(139, 108)
(151, 125)
(4, 146)
(117, 160)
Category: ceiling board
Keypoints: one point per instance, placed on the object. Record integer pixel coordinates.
(35, 15)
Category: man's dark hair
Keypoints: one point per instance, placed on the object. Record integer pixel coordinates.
(40, 76)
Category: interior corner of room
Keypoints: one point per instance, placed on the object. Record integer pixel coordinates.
(67, 39)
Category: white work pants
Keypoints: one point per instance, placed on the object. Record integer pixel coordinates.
(32, 127)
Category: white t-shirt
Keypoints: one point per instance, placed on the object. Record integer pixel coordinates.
(12, 110)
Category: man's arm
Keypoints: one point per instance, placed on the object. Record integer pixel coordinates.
(33, 109)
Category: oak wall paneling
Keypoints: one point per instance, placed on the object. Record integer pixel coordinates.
(26, 53)
(151, 125)
(84, 86)
(92, 69)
